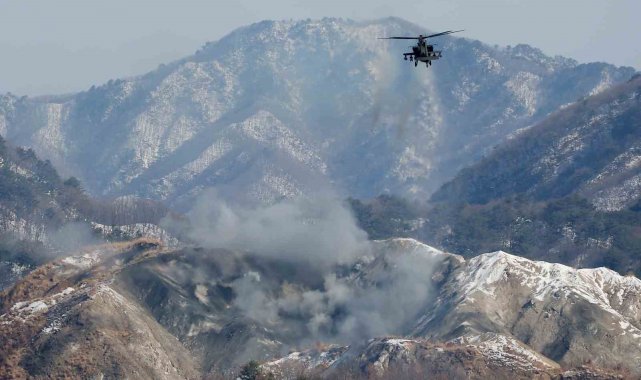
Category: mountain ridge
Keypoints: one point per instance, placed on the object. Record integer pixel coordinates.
(588, 148)
(326, 87)
(485, 309)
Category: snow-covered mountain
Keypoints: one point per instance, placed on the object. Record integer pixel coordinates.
(281, 108)
(494, 315)
(510, 314)
(591, 148)
(542, 305)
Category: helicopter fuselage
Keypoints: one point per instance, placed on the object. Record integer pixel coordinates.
(426, 53)
(423, 53)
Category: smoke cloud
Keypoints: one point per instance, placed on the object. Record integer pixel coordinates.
(344, 309)
(320, 231)
(366, 289)
(72, 236)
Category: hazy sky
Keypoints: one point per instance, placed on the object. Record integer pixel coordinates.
(58, 46)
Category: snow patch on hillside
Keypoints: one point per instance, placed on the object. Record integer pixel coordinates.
(617, 198)
(524, 86)
(605, 83)
(51, 138)
(507, 351)
(267, 129)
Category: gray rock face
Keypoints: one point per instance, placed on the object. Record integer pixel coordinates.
(283, 108)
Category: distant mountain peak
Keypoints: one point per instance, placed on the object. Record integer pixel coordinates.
(376, 123)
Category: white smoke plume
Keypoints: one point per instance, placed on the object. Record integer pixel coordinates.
(360, 292)
(320, 231)
(71, 237)
(343, 310)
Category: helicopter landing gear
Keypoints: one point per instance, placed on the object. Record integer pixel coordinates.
(415, 63)
(405, 58)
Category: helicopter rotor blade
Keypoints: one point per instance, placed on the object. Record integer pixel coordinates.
(421, 36)
(444, 33)
(398, 38)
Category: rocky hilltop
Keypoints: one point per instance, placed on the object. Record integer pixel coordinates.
(138, 310)
(281, 108)
(66, 320)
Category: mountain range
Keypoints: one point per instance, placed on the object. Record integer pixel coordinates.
(284, 108)
(270, 274)
(139, 310)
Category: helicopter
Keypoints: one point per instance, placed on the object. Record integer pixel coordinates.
(423, 51)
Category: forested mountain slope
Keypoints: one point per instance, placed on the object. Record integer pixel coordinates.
(591, 148)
